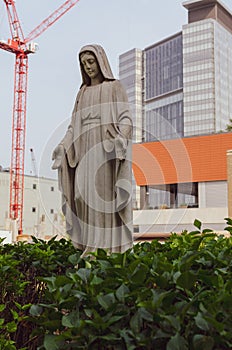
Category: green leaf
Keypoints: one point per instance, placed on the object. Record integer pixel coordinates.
(9, 345)
(207, 230)
(136, 323)
(110, 337)
(127, 335)
(157, 298)
(71, 320)
(174, 321)
(122, 292)
(96, 280)
(74, 259)
(87, 264)
(145, 315)
(52, 325)
(177, 342)
(34, 239)
(61, 281)
(202, 342)
(197, 224)
(53, 342)
(229, 229)
(186, 280)
(79, 295)
(114, 319)
(229, 221)
(2, 320)
(11, 327)
(84, 274)
(188, 259)
(88, 312)
(36, 310)
(14, 314)
(139, 274)
(104, 265)
(2, 307)
(106, 301)
(19, 306)
(101, 253)
(201, 322)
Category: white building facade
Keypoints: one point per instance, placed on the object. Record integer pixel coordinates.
(42, 215)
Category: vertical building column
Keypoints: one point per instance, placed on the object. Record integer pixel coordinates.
(229, 181)
(144, 197)
(173, 195)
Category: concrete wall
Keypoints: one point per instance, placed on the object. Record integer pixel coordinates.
(212, 194)
(177, 220)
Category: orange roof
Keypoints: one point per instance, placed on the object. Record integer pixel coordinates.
(191, 159)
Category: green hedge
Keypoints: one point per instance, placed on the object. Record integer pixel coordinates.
(174, 295)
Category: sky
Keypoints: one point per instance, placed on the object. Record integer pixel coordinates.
(54, 75)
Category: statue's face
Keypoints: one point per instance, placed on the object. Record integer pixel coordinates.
(90, 65)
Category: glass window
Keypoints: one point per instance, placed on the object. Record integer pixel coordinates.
(164, 67)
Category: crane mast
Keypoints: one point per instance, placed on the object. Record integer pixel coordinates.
(18, 140)
(17, 44)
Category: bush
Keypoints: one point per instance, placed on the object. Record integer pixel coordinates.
(21, 267)
(171, 295)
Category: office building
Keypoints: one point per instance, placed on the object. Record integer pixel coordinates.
(186, 94)
(207, 67)
(131, 75)
(163, 95)
(184, 82)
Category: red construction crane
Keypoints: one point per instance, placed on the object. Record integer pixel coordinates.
(22, 47)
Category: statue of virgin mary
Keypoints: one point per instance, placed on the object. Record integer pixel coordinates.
(94, 160)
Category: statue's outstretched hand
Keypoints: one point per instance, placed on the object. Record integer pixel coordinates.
(120, 147)
(57, 156)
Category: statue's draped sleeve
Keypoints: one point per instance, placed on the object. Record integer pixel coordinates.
(66, 173)
(116, 121)
(68, 140)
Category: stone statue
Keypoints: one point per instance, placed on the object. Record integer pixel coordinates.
(94, 160)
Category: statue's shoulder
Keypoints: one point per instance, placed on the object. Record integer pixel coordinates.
(119, 90)
(80, 92)
(113, 85)
(113, 82)
(117, 85)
